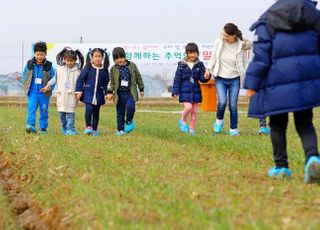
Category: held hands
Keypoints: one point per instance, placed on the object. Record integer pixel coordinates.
(251, 92)
(78, 96)
(45, 89)
(207, 75)
(109, 97)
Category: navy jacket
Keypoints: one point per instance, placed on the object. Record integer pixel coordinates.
(93, 87)
(285, 70)
(186, 82)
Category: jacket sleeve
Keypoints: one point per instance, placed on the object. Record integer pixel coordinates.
(81, 80)
(53, 80)
(212, 60)
(24, 74)
(202, 72)
(260, 65)
(177, 81)
(107, 82)
(111, 83)
(139, 79)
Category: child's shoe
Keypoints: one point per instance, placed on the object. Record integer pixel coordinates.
(234, 132)
(217, 127)
(63, 130)
(95, 133)
(88, 130)
(31, 129)
(121, 133)
(129, 127)
(279, 173)
(264, 130)
(312, 170)
(43, 131)
(192, 132)
(183, 126)
(70, 132)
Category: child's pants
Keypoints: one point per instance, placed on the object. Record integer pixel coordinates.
(36, 100)
(67, 120)
(125, 107)
(92, 116)
(190, 108)
(305, 129)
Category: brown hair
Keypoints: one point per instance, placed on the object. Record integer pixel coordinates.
(232, 29)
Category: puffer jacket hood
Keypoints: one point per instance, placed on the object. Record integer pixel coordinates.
(290, 15)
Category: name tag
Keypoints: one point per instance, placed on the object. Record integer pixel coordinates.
(38, 81)
(124, 83)
(67, 85)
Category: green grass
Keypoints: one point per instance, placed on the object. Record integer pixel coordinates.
(157, 177)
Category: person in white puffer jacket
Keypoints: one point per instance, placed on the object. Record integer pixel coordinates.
(66, 78)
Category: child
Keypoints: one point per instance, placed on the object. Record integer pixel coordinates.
(91, 87)
(284, 77)
(66, 78)
(36, 74)
(125, 79)
(186, 84)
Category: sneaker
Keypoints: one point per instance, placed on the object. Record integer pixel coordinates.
(121, 133)
(63, 130)
(183, 126)
(43, 131)
(264, 130)
(279, 173)
(192, 132)
(312, 170)
(88, 130)
(234, 132)
(31, 129)
(70, 132)
(217, 128)
(129, 127)
(95, 133)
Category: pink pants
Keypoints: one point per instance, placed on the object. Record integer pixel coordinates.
(190, 108)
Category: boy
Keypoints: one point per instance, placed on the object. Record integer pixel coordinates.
(284, 77)
(125, 78)
(36, 74)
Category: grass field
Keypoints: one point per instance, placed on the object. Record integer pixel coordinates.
(155, 177)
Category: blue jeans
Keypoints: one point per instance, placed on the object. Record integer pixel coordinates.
(35, 101)
(67, 120)
(125, 106)
(228, 88)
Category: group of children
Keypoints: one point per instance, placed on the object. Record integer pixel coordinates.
(92, 85)
(283, 77)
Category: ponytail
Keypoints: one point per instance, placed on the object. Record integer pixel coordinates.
(68, 52)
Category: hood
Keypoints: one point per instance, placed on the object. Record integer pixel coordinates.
(291, 15)
(184, 61)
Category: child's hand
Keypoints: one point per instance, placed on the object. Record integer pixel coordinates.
(207, 75)
(142, 94)
(251, 92)
(78, 96)
(109, 97)
(45, 89)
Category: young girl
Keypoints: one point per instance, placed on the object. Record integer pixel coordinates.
(284, 77)
(66, 78)
(125, 81)
(92, 86)
(186, 84)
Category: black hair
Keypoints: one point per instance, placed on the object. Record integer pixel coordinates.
(118, 52)
(40, 47)
(69, 53)
(105, 57)
(192, 47)
(232, 29)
